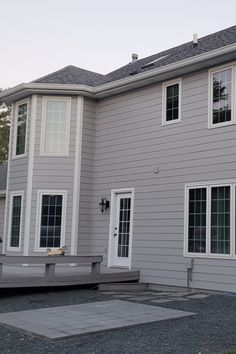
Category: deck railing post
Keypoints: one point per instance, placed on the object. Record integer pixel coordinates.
(96, 267)
(49, 269)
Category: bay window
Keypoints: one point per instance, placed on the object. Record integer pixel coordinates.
(55, 127)
(51, 219)
(20, 135)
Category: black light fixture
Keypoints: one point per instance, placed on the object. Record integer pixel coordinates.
(104, 204)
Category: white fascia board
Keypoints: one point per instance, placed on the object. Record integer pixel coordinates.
(121, 85)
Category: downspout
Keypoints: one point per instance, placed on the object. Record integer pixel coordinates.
(189, 266)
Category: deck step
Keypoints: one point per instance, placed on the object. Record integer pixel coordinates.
(122, 287)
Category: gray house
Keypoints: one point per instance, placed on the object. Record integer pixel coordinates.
(138, 165)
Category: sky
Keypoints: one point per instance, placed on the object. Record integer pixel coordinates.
(38, 37)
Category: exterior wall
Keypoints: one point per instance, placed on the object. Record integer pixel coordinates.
(123, 142)
(53, 173)
(87, 162)
(48, 173)
(130, 142)
(2, 214)
(17, 175)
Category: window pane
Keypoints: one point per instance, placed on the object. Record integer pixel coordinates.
(172, 102)
(197, 221)
(50, 230)
(124, 228)
(21, 129)
(56, 127)
(222, 87)
(15, 221)
(220, 220)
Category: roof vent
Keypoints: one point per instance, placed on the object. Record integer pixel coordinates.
(134, 57)
(195, 40)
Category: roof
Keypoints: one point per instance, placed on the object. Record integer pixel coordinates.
(74, 75)
(3, 177)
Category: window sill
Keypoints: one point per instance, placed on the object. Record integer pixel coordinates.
(16, 157)
(210, 256)
(171, 122)
(219, 125)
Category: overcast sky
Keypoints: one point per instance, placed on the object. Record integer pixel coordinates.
(41, 36)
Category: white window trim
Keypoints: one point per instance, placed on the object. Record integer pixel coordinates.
(39, 213)
(43, 126)
(164, 89)
(210, 96)
(15, 194)
(208, 185)
(15, 125)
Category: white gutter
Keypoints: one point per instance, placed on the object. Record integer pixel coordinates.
(114, 86)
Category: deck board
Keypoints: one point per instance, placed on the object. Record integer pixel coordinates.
(34, 278)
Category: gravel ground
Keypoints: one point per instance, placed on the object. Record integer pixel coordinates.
(211, 331)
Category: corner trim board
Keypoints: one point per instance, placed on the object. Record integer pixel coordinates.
(7, 186)
(30, 175)
(77, 172)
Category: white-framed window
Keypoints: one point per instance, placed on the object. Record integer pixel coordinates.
(55, 132)
(15, 220)
(221, 96)
(210, 220)
(171, 101)
(51, 219)
(21, 117)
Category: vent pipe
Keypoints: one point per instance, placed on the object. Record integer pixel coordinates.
(134, 57)
(195, 40)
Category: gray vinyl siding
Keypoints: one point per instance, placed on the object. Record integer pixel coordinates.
(2, 214)
(18, 173)
(53, 173)
(130, 142)
(86, 178)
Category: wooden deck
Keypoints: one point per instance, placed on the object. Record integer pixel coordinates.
(29, 272)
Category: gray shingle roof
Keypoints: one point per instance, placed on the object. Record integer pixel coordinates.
(73, 75)
(3, 177)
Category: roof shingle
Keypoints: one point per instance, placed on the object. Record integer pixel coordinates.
(74, 75)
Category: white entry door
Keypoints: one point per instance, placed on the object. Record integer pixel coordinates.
(121, 230)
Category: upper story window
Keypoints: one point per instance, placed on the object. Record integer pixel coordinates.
(221, 103)
(56, 126)
(171, 93)
(20, 136)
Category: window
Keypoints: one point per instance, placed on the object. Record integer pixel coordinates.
(220, 220)
(171, 93)
(56, 119)
(209, 215)
(20, 138)
(15, 220)
(51, 226)
(197, 220)
(221, 97)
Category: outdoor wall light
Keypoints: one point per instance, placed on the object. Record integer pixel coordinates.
(104, 204)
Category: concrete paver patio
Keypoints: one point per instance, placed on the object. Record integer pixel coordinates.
(64, 321)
